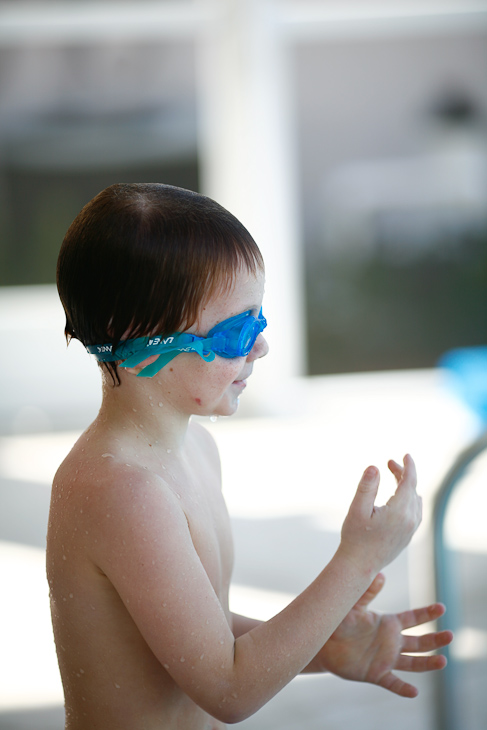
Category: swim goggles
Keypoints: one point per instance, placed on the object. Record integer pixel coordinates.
(234, 337)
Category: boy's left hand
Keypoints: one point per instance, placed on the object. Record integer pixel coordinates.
(367, 647)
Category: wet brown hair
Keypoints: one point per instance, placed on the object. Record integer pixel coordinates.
(142, 258)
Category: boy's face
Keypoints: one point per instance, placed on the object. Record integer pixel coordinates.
(213, 388)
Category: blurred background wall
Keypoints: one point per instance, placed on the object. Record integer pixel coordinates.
(350, 138)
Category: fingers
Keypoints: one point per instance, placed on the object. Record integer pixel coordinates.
(369, 484)
(419, 616)
(405, 475)
(406, 498)
(392, 683)
(395, 468)
(374, 536)
(407, 663)
(409, 471)
(372, 591)
(427, 642)
(367, 489)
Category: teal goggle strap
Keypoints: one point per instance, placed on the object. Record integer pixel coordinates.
(133, 352)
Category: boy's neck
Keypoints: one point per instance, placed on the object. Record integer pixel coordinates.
(139, 404)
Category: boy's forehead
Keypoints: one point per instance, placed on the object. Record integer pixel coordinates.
(235, 296)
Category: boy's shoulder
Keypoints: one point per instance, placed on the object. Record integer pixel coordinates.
(99, 466)
(105, 494)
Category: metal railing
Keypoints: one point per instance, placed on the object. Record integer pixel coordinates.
(448, 709)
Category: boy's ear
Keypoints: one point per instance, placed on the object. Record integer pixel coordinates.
(136, 370)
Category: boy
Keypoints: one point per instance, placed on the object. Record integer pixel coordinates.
(165, 288)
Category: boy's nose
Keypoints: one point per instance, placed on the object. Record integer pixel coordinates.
(260, 349)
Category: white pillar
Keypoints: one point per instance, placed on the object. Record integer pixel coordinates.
(247, 156)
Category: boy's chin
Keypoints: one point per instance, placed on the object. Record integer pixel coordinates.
(225, 408)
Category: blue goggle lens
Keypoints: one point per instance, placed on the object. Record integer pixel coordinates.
(235, 337)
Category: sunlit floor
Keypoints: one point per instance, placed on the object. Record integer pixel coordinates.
(288, 483)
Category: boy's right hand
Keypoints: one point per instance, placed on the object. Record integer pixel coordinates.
(373, 536)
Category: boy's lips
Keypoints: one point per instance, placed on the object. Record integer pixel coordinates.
(239, 386)
(242, 380)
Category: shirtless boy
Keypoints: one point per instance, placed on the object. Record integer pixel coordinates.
(139, 553)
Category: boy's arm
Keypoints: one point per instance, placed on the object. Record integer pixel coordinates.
(243, 624)
(149, 556)
(369, 647)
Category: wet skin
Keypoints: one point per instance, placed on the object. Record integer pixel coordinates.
(141, 470)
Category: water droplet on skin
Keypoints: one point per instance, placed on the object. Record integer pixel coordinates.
(71, 595)
(182, 660)
(202, 657)
(64, 557)
(166, 666)
(117, 686)
(213, 419)
(104, 456)
(160, 405)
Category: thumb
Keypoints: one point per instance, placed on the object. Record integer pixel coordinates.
(363, 502)
(372, 591)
